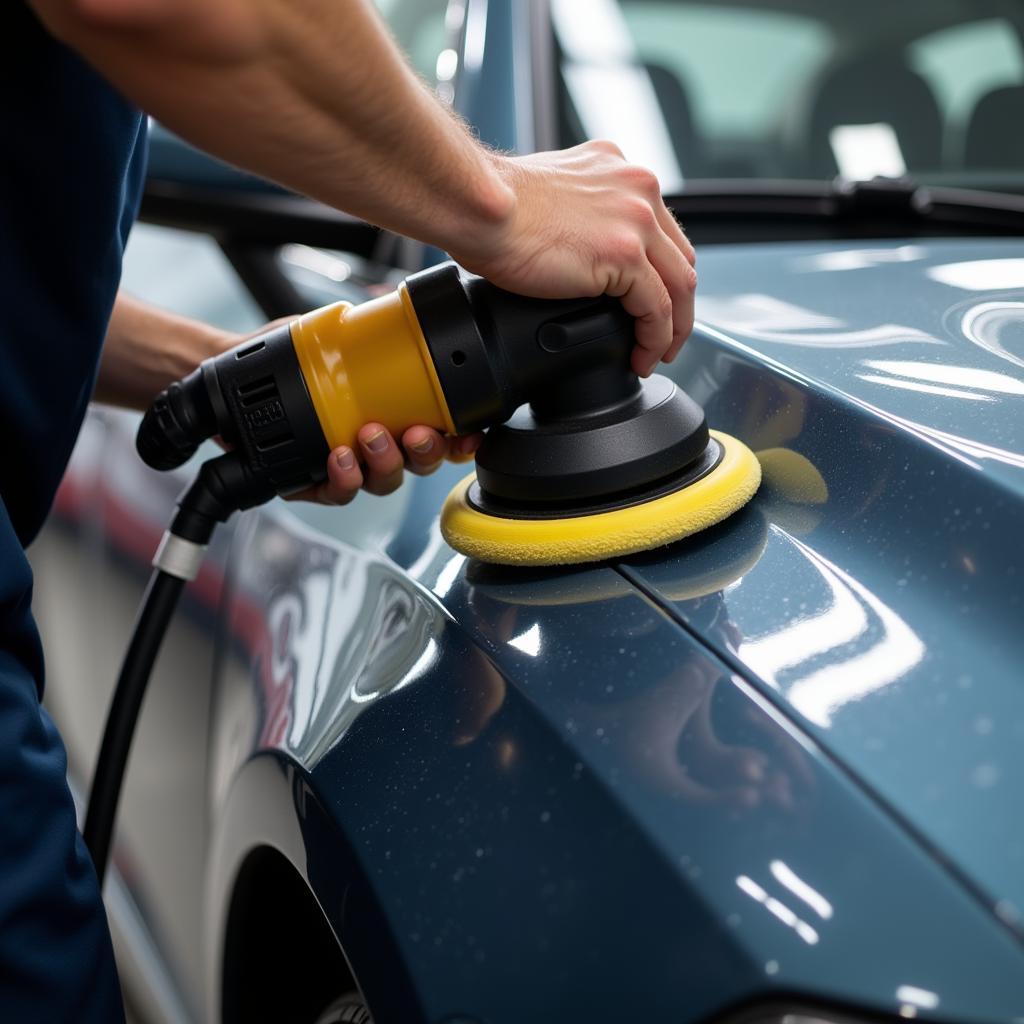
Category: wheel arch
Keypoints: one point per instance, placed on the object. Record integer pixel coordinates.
(285, 896)
(280, 957)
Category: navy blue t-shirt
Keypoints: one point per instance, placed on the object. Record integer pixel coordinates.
(70, 176)
(71, 165)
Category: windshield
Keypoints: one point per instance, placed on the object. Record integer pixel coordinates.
(799, 89)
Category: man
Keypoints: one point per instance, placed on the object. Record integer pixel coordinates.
(312, 94)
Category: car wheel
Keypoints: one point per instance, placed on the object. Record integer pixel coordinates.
(349, 1009)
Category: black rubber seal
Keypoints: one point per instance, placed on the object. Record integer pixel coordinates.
(473, 390)
(491, 506)
(580, 460)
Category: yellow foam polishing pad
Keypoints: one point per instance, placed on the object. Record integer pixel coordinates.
(591, 538)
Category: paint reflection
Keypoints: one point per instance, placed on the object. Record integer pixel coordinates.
(768, 319)
(782, 911)
(980, 275)
(343, 630)
(858, 259)
(670, 726)
(868, 646)
(942, 379)
(995, 327)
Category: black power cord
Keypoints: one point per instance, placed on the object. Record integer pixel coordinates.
(158, 604)
(222, 486)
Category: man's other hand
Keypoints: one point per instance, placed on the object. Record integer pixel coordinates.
(379, 464)
(585, 222)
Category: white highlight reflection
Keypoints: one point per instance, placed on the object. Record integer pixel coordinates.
(958, 376)
(917, 997)
(420, 666)
(842, 621)
(964, 449)
(980, 275)
(924, 389)
(866, 151)
(778, 909)
(448, 575)
(446, 66)
(475, 36)
(592, 30)
(898, 649)
(765, 313)
(529, 641)
(334, 268)
(799, 888)
(984, 323)
(859, 259)
(772, 320)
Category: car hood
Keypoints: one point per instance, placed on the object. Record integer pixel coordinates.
(873, 587)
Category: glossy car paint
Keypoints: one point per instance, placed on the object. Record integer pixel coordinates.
(772, 761)
(886, 619)
(537, 769)
(524, 777)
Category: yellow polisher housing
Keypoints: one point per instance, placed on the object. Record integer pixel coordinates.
(592, 538)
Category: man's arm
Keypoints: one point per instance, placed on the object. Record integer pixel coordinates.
(147, 348)
(314, 94)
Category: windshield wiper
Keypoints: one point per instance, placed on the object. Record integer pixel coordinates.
(746, 210)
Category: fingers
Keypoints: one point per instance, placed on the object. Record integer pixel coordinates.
(645, 297)
(462, 449)
(668, 223)
(650, 268)
(684, 321)
(378, 463)
(344, 479)
(380, 472)
(382, 458)
(425, 449)
(680, 280)
(660, 294)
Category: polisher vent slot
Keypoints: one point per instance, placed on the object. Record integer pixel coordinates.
(249, 350)
(256, 392)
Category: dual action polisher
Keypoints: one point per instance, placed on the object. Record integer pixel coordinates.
(581, 460)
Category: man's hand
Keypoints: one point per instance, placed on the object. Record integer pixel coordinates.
(378, 466)
(586, 222)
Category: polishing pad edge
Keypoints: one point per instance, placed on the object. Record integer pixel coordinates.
(573, 540)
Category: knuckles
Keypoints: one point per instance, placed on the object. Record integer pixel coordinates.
(604, 146)
(626, 249)
(663, 309)
(640, 213)
(644, 181)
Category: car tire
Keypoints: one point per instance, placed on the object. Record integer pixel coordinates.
(349, 1009)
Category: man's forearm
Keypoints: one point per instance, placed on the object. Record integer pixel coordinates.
(310, 93)
(314, 94)
(147, 348)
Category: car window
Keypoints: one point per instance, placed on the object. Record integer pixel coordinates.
(739, 72)
(419, 27)
(965, 63)
(772, 89)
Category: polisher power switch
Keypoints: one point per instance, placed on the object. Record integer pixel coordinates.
(560, 335)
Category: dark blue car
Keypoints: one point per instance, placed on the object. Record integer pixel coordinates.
(772, 773)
